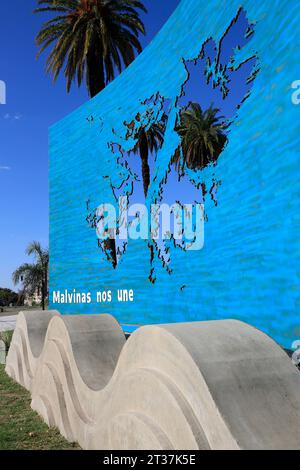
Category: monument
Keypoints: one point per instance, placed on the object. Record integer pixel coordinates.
(189, 241)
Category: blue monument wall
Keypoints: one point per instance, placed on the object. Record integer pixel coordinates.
(246, 53)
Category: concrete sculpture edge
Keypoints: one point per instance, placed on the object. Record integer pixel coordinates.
(203, 385)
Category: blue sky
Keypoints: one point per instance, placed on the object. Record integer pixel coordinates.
(33, 104)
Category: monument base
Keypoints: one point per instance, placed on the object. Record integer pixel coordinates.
(204, 385)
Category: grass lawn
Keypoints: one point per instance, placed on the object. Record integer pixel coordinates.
(20, 427)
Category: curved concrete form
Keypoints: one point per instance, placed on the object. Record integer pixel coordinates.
(206, 385)
(27, 345)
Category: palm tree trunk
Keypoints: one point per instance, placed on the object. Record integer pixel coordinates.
(46, 282)
(110, 248)
(96, 83)
(95, 72)
(43, 296)
(143, 144)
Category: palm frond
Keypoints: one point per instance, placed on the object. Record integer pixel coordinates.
(203, 137)
(96, 38)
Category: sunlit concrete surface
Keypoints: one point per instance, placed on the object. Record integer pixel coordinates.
(202, 385)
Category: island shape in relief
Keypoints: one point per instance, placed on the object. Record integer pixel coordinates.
(162, 152)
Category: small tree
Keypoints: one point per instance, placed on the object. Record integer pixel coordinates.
(34, 276)
(7, 297)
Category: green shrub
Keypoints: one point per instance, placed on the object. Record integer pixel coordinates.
(6, 337)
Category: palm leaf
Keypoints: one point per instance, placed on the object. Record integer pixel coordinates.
(93, 37)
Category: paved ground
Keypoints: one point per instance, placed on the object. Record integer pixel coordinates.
(8, 322)
(12, 311)
(9, 313)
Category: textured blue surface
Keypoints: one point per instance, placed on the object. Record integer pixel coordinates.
(249, 268)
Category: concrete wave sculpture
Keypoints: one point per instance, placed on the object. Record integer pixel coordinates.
(206, 385)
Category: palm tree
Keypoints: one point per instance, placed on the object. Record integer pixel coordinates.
(91, 38)
(34, 276)
(149, 141)
(202, 135)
